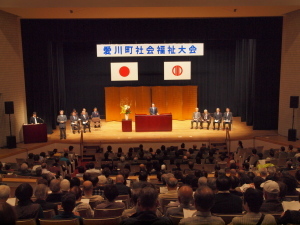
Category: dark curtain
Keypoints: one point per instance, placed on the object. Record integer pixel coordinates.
(244, 79)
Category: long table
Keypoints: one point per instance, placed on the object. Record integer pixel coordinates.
(144, 123)
(34, 133)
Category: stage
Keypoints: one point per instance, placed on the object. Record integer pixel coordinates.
(111, 133)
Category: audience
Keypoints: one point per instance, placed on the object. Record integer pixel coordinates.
(68, 203)
(81, 205)
(26, 209)
(7, 214)
(65, 186)
(147, 206)
(204, 200)
(271, 193)
(122, 188)
(4, 193)
(111, 193)
(41, 193)
(253, 199)
(56, 194)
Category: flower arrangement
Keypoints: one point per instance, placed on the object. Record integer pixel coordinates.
(125, 109)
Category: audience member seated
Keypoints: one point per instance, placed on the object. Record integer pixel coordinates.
(68, 203)
(7, 214)
(185, 198)
(88, 193)
(80, 171)
(24, 170)
(234, 183)
(190, 169)
(225, 202)
(64, 186)
(253, 199)
(55, 168)
(147, 206)
(211, 183)
(41, 193)
(110, 193)
(290, 217)
(271, 204)
(204, 200)
(65, 158)
(38, 172)
(56, 194)
(44, 168)
(106, 172)
(81, 205)
(143, 177)
(171, 184)
(122, 188)
(92, 169)
(282, 153)
(257, 182)
(291, 184)
(253, 158)
(4, 193)
(26, 209)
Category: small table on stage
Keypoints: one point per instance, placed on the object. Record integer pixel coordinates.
(126, 125)
(161, 122)
(34, 133)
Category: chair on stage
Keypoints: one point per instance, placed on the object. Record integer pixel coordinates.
(75, 126)
(96, 121)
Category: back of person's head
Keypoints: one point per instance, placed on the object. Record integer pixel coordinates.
(65, 185)
(7, 214)
(204, 198)
(119, 179)
(43, 154)
(282, 148)
(254, 199)
(111, 192)
(24, 167)
(257, 182)
(106, 172)
(191, 165)
(223, 183)
(172, 182)
(143, 176)
(80, 169)
(234, 181)
(182, 145)
(254, 151)
(148, 198)
(4, 193)
(202, 181)
(185, 195)
(55, 185)
(36, 157)
(94, 180)
(75, 181)
(66, 155)
(41, 191)
(272, 153)
(71, 148)
(251, 175)
(92, 165)
(211, 183)
(245, 179)
(109, 148)
(30, 155)
(68, 202)
(86, 176)
(24, 192)
(76, 191)
(38, 171)
(87, 186)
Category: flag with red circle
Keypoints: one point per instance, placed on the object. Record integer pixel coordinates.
(124, 71)
(177, 70)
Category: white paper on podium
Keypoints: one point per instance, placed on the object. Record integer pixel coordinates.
(188, 213)
(292, 205)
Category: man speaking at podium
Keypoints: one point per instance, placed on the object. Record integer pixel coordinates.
(153, 110)
(34, 119)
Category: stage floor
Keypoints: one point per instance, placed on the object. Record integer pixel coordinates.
(111, 133)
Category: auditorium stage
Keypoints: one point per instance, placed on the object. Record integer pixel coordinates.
(111, 133)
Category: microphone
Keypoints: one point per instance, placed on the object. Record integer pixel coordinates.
(40, 119)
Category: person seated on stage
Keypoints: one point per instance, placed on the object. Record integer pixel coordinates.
(96, 117)
(74, 111)
(217, 118)
(153, 110)
(195, 118)
(205, 118)
(34, 119)
(74, 122)
(84, 109)
(227, 118)
(85, 121)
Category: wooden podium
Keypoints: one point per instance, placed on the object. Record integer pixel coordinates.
(34, 133)
(146, 123)
(127, 125)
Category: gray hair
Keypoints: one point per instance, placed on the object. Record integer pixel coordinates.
(165, 177)
(172, 183)
(4, 191)
(202, 181)
(24, 166)
(65, 185)
(41, 191)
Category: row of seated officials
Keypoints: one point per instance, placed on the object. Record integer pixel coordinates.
(220, 194)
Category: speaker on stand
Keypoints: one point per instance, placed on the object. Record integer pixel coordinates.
(294, 104)
(10, 140)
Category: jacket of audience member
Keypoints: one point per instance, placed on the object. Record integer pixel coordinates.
(227, 203)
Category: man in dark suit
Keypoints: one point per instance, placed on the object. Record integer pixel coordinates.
(196, 118)
(34, 119)
(217, 118)
(122, 188)
(153, 110)
(205, 118)
(85, 121)
(62, 119)
(227, 118)
(74, 122)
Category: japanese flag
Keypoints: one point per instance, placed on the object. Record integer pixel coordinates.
(177, 70)
(125, 71)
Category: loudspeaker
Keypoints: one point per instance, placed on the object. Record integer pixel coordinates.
(11, 141)
(292, 135)
(294, 102)
(9, 107)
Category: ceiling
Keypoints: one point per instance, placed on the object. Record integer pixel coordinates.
(92, 9)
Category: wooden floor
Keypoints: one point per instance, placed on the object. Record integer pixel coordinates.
(111, 132)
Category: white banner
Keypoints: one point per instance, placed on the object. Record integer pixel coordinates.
(137, 50)
(124, 71)
(177, 70)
